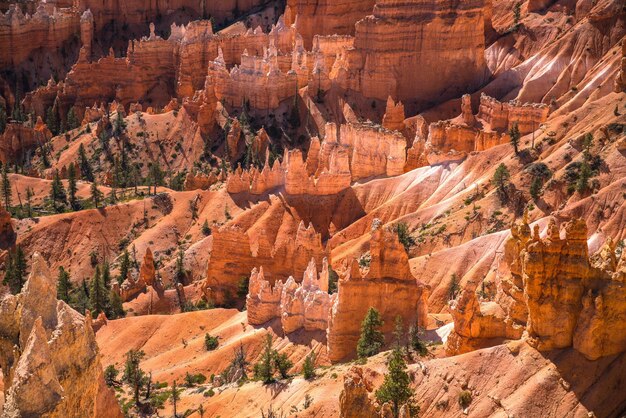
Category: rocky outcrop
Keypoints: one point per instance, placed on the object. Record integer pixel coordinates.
(387, 286)
(132, 287)
(18, 140)
(235, 253)
(326, 17)
(354, 400)
(22, 34)
(298, 177)
(620, 79)
(438, 38)
(49, 355)
(554, 291)
(394, 116)
(299, 306)
(147, 272)
(195, 181)
(373, 150)
(500, 116)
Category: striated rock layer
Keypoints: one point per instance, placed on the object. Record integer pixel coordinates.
(49, 355)
(435, 39)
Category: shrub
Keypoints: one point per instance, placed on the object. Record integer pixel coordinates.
(308, 368)
(465, 398)
(404, 235)
(210, 342)
(206, 230)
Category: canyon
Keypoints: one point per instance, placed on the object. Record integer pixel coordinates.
(293, 208)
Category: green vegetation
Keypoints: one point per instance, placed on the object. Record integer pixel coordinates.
(372, 339)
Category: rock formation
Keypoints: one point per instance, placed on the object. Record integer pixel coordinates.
(500, 116)
(49, 355)
(620, 79)
(147, 273)
(195, 181)
(387, 286)
(305, 305)
(416, 35)
(17, 140)
(354, 401)
(561, 296)
(394, 116)
(279, 260)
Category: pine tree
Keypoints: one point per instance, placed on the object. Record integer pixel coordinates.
(264, 369)
(501, 182)
(308, 367)
(124, 267)
(6, 188)
(64, 286)
(396, 387)
(175, 396)
(52, 121)
(106, 275)
(282, 363)
(80, 302)
(98, 294)
(372, 339)
(96, 195)
(72, 120)
(85, 167)
(72, 188)
(116, 309)
(15, 270)
(535, 187)
(582, 184)
(515, 136)
(133, 375)
(57, 193)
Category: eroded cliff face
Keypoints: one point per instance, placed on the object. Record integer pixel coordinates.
(235, 253)
(299, 306)
(387, 286)
(326, 17)
(620, 79)
(554, 291)
(49, 355)
(418, 35)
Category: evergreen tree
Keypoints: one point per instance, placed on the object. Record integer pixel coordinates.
(396, 387)
(72, 120)
(517, 14)
(372, 339)
(582, 184)
(3, 119)
(515, 136)
(96, 195)
(282, 363)
(52, 120)
(175, 396)
(72, 188)
(85, 167)
(308, 367)
(501, 182)
(15, 270)
(116, 309)
(535, 188)
(133, 375)
(80, 302)
(155, 176)
(57, 193)
(124, 267)
(6, 188)
(119, 125)
(106, 275)
(64, 286)
(98, 294)
(264, 369)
